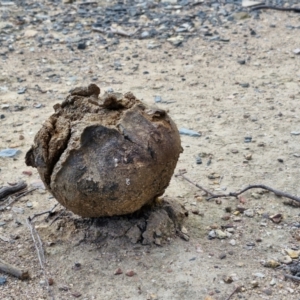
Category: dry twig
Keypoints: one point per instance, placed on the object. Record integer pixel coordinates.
(40, 252)
(12, 270)
(236, 290)
(292, 277)
(49, 211)
(16, 198)
(8, 190)
(236, 194)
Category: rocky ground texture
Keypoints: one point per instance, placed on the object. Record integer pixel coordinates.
(229, 74)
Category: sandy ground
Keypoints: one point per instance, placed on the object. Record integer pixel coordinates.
(201, 84)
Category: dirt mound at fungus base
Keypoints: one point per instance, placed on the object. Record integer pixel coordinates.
(105, 156)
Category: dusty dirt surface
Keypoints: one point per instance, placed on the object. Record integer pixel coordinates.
(248, 116)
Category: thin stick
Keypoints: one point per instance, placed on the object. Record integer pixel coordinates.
(237, 289)
(8, 190)
(236, 194)
(12, 270)
(16, 198)
(40, 252)
(49, 211)
(292, 277)
(195, 184)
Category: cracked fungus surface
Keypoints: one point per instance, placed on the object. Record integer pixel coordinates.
(105, 156)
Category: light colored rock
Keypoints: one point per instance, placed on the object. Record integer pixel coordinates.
(249, 213)
(249, 3)
(30, 33)
(232, 242)
(221, 234)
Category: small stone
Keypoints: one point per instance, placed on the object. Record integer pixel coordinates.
(118, 271)
(21, 137)
(21, 90)
(280, 160)
(296, 51)
(81, 46)
(227, 279)
(30, 33)
(255, 196)
(212, 234)
(259, 275)
(245, 85)
(286, 260)
(222, 256)
(271, 264)
(189, 132)
(2, 280)
(2, 116)
(232, 242)
(130, 273)
(76, 294)
(228, 209)
(247, 139)
(29, 205)
(50, 281)
(276, 218)
(157, 99)
(184, 230)
(42, 282)
(267, 292)
(273, 282)
(234, 151)
(27, 172)
(292, 253)
(221, 234)
(195, 211)
(248, 156)
(241, 61)
(254, 284)
(249, 213)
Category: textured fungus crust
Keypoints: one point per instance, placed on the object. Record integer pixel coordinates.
(105, 156)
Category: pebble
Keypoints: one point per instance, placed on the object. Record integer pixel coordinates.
(296, 51)
(232, 242)
(212, 234)
(198, 160)
(189, 132)
(157, 99)
(247, 139)
(255, 195)
(286, 260)
(130, 273)
(244, 85)
(292, 253)
(249, 213)
(248, 156)
(2, 280)
(29, 205)
(221, 234)
(222, 255)
(295, 133)
(273, 282)
(118, 271)
(254, 284)
(271, 264)
(259, 275)
(9, 152)
(268, 292)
